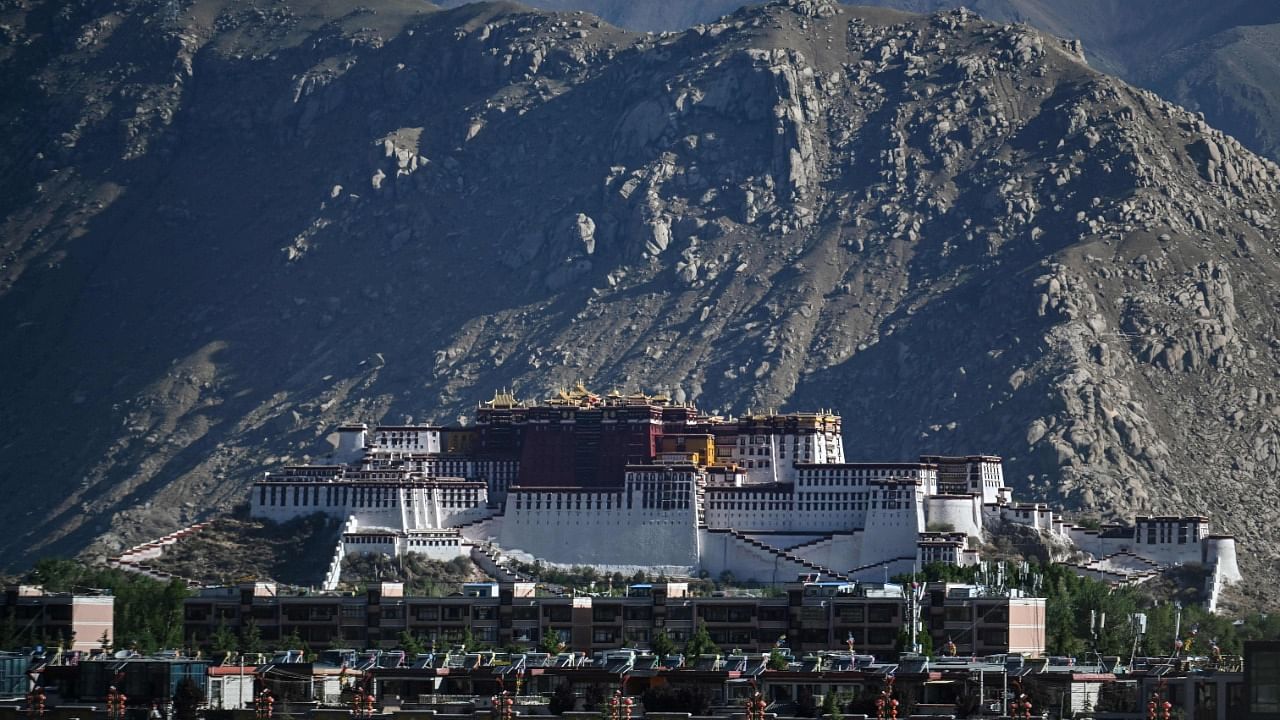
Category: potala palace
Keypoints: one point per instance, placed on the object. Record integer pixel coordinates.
(626, 482)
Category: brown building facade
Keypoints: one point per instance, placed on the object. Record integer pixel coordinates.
(807, 617)
(73, 622)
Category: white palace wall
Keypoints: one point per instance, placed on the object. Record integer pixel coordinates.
(438, 545)
(582, 527)
(963, 513)
(840, 551)
(893, 528)
(401, 507)
(1221, 551)
(722, 550)
(792, 507)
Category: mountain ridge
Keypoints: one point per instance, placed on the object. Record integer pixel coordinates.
(1153, 44)
(954, 231)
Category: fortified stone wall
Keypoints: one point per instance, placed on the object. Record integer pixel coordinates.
(840, 552)
(597, 528)
(724, 551)
(961, 513)
(377, 505)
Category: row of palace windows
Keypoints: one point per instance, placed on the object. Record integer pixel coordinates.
(272, 495)
(575, 502)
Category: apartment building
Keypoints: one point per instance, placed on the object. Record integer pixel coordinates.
(807, 616)
(65, 620)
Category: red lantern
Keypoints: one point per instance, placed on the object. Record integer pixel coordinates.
(35, 702)
(503, 706)
(115, 703)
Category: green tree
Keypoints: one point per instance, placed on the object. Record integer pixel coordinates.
(595, 697)
(171, 600)
(665, 698)
(144, 640)
(293, 641)
(10, 637)
(923, 639)
(223, 640)
(831, 705)
(411, 645)
(251, 637)
(777, 661)
(563, 699)
(662, 645)
(148, 613)
(186, 700)
(550, 642)
(700, 643)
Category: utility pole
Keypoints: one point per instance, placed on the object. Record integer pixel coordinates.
(915, 648)
(1177, 626)
(1004, 694)
(982, 691)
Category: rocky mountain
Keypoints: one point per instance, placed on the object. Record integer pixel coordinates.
(642, 15)
(229, 226)
(1218, 58)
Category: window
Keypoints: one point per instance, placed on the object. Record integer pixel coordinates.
(881, 636)
(998, 638)
(995, 614)
(1263, 681)
(882, 613)
(773, 614)
(637, 613)
(851, 613)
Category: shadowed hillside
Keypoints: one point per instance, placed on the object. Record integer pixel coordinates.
(231, 227)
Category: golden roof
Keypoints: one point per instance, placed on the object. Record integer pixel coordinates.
(503, 398)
